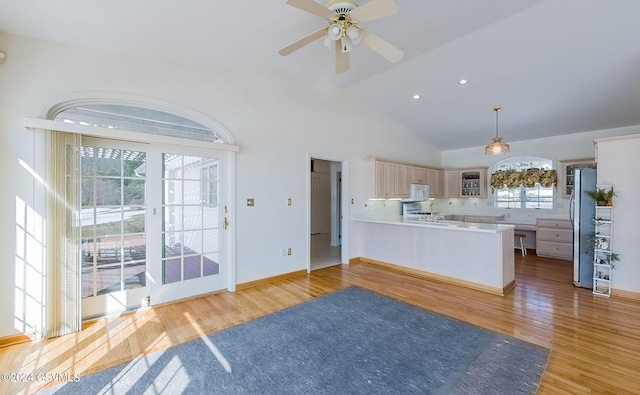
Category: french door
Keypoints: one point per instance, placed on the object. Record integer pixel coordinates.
(189, 225)
(152, 224)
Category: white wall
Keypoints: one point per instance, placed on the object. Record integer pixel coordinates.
(616, 166)
(276, 122)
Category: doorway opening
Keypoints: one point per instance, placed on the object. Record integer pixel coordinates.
(325, 213)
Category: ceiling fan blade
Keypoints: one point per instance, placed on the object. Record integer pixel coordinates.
(375, 9)
(312, 7)
(301, 43)
(382, 47)
(342, 59)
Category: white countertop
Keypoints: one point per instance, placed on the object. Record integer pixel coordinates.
(443, 224)
(528, 223)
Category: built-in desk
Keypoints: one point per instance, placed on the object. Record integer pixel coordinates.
(525, 228)
(551, 237)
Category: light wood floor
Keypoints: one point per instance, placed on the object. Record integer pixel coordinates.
(595, 341)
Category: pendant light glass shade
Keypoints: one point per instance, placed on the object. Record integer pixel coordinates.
(496, 146)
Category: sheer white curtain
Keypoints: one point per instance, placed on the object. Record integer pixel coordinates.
(63, 301)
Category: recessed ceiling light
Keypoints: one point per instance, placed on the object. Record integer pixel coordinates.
(416, 96)
(463, 82)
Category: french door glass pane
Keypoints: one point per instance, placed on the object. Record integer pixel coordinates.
(192, 267)
(210, 264)
(192, 193)
(193, 217)
(134, 275)
(133, 219)
(108, 191)
(171, 270)
(113, 220)
(190, 218)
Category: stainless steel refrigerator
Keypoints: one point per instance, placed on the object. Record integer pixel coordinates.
(582, 212)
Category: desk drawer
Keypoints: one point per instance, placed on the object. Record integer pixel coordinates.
(554, 249)
(553, 223)
(482, 219)
(559, 235)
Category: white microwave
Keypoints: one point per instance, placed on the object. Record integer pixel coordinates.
(419, 192)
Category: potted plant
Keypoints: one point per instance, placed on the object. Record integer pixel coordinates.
(609, 194)
(603, 197)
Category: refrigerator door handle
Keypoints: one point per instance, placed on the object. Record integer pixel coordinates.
(572, 203)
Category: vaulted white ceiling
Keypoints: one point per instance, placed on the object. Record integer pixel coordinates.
(554, 66)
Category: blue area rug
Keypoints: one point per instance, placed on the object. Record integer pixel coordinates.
(353, 341)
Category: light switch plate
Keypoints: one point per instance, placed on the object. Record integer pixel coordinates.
(289, 202)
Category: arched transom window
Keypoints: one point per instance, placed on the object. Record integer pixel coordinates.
(137, 119)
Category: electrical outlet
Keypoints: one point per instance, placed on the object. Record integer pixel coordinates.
(289, 251)
(289, 202)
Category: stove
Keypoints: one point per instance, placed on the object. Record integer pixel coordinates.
(414, 212)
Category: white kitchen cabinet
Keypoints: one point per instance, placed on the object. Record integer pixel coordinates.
(418, 175)
(435, 180)
(385, 179)
(554, 238)
(402, 177)
(466, 183)
(379, 177)
(567, 170)
(451, 183)
(473, 183)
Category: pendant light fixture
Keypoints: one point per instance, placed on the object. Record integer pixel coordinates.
(497, 146)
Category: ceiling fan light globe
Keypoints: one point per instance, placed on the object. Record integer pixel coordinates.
(329, 43)
(354, 33)
(346, 44)
(334, 32)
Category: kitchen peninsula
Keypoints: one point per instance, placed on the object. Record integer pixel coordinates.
(474, 255)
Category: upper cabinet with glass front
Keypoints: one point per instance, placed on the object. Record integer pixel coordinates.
(465, 183)
(473, 183)
(567, 172)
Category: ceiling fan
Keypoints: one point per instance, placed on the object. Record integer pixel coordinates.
(343, 31)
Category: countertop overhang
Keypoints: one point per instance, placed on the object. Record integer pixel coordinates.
(439, 224)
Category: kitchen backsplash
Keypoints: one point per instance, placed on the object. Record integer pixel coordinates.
(469, 206)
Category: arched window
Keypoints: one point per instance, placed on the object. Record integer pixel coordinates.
(137, 119)
(524, 182)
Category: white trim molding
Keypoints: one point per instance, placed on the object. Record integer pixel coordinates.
(119, 134)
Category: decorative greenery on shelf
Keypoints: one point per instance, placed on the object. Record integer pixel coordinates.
(602, 196)
(606, 256)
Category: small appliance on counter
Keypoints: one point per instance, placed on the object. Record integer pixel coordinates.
(413, 211)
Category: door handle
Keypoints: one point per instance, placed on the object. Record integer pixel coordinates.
(225, 223)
